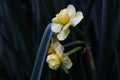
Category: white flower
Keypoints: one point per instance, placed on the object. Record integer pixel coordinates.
(53, 61)
(56, 57)
(67, 17)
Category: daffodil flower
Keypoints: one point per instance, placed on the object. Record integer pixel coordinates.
(65, 18)
(56, 57)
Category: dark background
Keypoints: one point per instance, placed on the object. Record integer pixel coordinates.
(22, 23)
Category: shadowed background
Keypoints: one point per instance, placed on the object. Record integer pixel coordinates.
(22, 23)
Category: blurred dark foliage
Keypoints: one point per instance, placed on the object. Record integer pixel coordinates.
(22, 23)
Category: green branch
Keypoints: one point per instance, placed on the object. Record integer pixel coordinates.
(75, 42)
(74, 50)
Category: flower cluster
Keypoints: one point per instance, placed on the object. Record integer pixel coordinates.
(60, 26)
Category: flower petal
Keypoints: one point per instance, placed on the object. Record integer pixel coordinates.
(78, 17)
(54, 20)
(58, 48)
(66, 26)
(63, 34)
(66, 63)
(53, 61)
(64, 69)
(56, 28)
(71, 10)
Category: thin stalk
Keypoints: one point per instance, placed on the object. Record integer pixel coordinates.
(75, 42)
(74, 50)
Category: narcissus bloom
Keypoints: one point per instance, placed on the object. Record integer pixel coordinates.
(56, 57)
(53, 61)
(65, 18)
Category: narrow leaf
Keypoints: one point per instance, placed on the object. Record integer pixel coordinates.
(41, 54)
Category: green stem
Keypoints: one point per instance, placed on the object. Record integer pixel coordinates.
(75, 42)
(81, 34)
(73, 50)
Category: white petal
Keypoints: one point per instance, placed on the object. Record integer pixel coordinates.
(58, 48)
(64, 68)
(66, 26)
(66, 62)
(63, 34)
(71, 10)
(78, 17)
(56, 28)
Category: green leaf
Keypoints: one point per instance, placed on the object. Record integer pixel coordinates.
(81, 34)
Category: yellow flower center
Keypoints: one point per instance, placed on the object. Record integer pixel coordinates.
(62, 18)
(54, 61)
